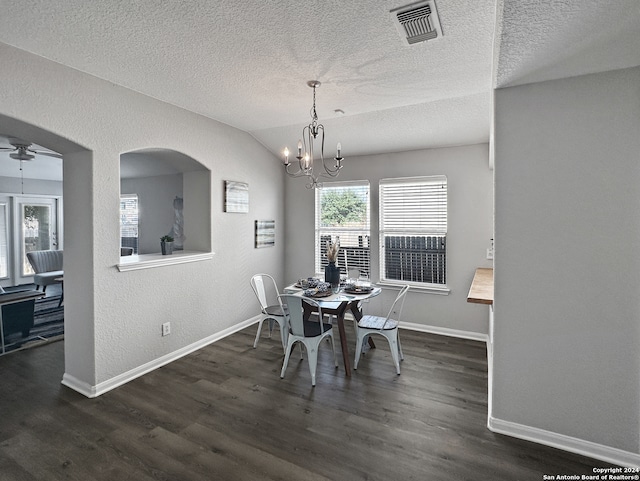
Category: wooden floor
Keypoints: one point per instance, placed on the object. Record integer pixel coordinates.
(223, 413)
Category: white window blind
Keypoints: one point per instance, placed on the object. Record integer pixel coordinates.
(413, 230)
(4, 249)
(342, 215)
(129, 221)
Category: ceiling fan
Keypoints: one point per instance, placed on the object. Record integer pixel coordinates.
(21, 150)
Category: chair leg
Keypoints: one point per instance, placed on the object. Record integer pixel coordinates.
(333, 348)
(283, 335)
(359, 343)
(400, 348)
(331, 318)
(271, 321)
(255, 343)
(287, 354)
(393, 345)
(312, 357)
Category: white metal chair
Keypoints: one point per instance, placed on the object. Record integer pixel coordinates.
(267, 292)
(386, 327)
(310, 333)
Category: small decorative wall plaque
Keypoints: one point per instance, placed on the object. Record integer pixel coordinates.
(236, 197)
(265, 233)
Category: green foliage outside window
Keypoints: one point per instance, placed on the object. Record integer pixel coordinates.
(342, 207)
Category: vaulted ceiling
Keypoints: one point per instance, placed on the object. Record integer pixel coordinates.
(246, 62)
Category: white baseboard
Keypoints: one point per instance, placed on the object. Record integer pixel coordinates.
(566, 443)
(445, 331)
(79, 386)
(105, 386)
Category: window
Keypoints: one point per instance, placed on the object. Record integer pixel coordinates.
(129, 221)
(342, 215)
(413, 230)
(4, 247)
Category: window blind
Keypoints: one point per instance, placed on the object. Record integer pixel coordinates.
(129, 221)
(4, 249)
(413, 229)
(342, 214)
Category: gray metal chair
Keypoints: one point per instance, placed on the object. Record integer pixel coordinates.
(384, 326)
(266, 290)
(310, 333)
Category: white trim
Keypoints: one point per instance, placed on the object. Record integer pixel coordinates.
(566, 443)
(445, 331)
(150, 261)
(106, 386)
(416, 287)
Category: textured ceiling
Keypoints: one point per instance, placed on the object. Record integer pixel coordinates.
(541, 40)
(246, 62)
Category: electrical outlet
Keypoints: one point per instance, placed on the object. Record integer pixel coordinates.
(490, 253)
(166, 328)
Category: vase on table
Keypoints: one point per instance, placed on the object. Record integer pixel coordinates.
(332, 275)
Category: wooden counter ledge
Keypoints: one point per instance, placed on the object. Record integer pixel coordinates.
(481, 291)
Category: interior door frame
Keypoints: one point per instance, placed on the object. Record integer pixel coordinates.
(6, 203)
(14, 234)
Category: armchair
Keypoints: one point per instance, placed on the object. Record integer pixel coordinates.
(47, 266)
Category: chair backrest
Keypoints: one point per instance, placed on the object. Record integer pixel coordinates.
(45, 261)
(266, 290)
(353, 274)
(296, 320)
(397, 306)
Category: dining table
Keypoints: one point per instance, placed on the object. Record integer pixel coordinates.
(338, 304)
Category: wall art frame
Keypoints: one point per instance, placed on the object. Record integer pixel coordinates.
(265, 233)
(236, 197)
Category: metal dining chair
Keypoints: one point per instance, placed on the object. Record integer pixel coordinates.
(384, 326)
(310, 333)
(266, 290)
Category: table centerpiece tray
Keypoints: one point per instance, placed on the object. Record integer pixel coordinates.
(313, 293)
(358, 290)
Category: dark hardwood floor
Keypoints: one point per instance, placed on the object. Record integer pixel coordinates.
(223, 413)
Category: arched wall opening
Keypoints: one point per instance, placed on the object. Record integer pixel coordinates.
(78, 248)
(164, 193)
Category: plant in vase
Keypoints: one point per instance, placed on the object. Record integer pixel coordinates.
(332, 271)
(166, 245)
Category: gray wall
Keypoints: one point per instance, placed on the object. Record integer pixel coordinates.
(155, 203)
(13, 185)
(113, 319)
(567, 263)
(470, 216)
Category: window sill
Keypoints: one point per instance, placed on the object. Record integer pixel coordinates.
(441, 291)
(150, 261)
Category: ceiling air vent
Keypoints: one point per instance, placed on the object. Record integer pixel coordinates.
(417, 22)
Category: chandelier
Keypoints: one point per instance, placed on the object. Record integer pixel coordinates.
(305, 164)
